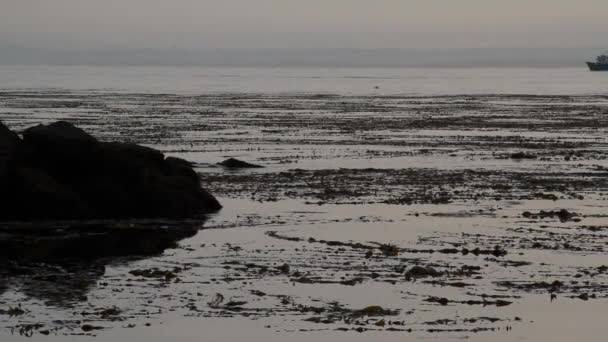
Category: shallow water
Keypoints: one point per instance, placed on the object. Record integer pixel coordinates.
(356, 191)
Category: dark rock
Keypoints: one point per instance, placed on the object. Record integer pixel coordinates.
(563, 215)
(522, 155)
(36, 195)
(422, 272)
(551, 197)
(439, 300)
(60, 148)
(183, 167)
(89, 327)
(234, 163)
(59, 171)
(374, 311)
(258, 293)
(8, 141)
(389, 250)
(59, 134)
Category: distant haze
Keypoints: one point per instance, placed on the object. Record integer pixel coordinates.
(326, 32)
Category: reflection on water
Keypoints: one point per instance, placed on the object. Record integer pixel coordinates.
(56, 284)
(60, 262)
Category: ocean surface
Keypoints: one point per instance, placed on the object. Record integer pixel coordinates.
(342, 81)
(367, 174)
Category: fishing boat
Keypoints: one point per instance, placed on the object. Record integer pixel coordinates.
(600, 64)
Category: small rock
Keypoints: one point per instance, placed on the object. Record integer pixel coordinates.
(234, 163)
(422, 272)
(89, 327)
(522, 155)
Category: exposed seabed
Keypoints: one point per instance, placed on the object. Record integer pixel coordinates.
(393, 217)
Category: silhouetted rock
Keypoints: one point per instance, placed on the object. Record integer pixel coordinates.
(563, 215)
(522, 155)
(59, 137)
(59, 171)
(234, 163)
(8, 140)
(36, 195)
(422, 272)
(9, 143)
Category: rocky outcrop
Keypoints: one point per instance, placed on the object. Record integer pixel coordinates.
(58, 171)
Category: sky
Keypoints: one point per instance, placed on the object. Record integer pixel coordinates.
(303, 24)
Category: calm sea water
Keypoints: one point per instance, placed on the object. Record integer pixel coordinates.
(345, 81)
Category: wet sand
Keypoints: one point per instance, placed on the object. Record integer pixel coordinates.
(390, 217)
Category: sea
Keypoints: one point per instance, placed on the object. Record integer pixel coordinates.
(340, 81)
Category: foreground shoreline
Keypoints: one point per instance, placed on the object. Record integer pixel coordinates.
(374, 216)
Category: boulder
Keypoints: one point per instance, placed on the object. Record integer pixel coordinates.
(60, 171)
(36, 195)
(182, 167)
(422, 272)
(8, 141)
(234, 163)
(59, 142)
(60, 134)
(522, 155)
(61, 149)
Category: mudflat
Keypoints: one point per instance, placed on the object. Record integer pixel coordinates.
(441, 217)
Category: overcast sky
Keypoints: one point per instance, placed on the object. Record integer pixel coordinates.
(255, 24)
